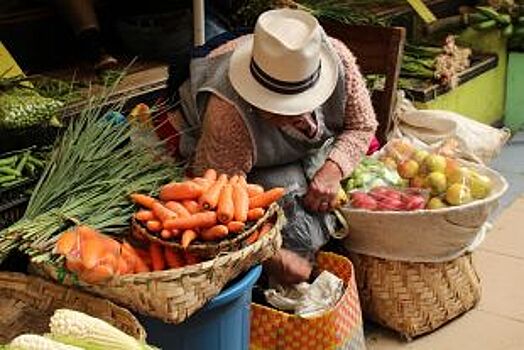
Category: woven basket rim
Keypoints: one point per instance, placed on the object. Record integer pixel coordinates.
(223, 245)
(494, 196)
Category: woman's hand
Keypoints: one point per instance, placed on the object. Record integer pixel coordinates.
(323, 190)
(288, 268)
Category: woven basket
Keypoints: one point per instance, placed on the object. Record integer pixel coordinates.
(174, 295)
(28, 303)
(415, 298)
(206, 249)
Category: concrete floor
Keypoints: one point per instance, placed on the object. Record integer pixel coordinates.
(497, 323)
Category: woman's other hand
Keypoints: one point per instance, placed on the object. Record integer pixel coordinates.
(323, 190)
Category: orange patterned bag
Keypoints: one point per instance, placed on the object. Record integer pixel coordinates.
(340, 328)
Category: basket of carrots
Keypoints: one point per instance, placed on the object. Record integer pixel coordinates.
(170, 277)
(205, 216)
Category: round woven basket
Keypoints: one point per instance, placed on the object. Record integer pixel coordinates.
(415, 298)
(28, 303)
(174, 295)
(206, 249)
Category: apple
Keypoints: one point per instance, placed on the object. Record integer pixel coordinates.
(436, 203)
(458, 194)
(435, 163)
(460, 175)
(437, 182)
(420, 155)
(400, 149)
(418, 181)
(451, 165)
(408, 169)
(480, 185)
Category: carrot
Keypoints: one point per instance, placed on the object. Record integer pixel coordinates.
(91, 251)
(143, 200)
(122, 267)
(214, 233)
(198, 220)
(204, 183)
(154, 226)
(175, 233)
(162, 212)
(178, 209)
(191, 259)
(265, 199)
(177, 191)
(255, 214)
(241, 202)
(265, 229)
(166, 234)
(143, 255)
(173, 259)
(252, 238)
(97, 274)
(226, 208)
(210, 175)
(74, 265)
(66, 243)
(210, 198)
(187, 237)
(138, 259)
(145, 215)
(254, 190)
(234, 180)
(157, 257)
(235, 226)
(191, 206)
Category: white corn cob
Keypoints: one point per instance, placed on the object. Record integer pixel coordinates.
(37, 342)
(68, 324)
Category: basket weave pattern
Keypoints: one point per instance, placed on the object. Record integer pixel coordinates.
(339, 328)
(415, 298)
(174, 295)
(28, 303)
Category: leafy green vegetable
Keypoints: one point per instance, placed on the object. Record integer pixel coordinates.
(371, 173)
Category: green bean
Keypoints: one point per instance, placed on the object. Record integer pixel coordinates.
(9, 171)
(23, 161)
(14, 182)
(8, 160)
(6, 178)
(36, 162)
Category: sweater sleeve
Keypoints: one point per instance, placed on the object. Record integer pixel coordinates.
(225, 143)
(360, 122)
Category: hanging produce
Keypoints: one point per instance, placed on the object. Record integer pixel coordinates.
(88, 179)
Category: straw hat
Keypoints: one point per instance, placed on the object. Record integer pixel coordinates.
(284, 68)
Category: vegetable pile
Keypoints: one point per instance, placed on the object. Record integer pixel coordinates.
(74, 330)
(21, 166)
(208, 208)
(372, 173)
(384, 198)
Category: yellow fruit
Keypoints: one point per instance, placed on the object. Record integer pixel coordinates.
(437, 182)
(460, 175)
(480, 185)
(435, 163)
(451, 165)
(458, 194)
(435, 203)
(400, 149)
(389, 163)
(418, 182)
(420, 155)
(408, 169)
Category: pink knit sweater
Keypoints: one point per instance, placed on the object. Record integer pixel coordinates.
(226, 145)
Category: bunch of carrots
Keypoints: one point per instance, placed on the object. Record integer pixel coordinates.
(207, 208)
(96, 258)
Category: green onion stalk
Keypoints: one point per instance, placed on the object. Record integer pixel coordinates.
(91, 172)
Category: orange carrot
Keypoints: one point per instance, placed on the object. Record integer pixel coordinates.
(178, 209)
(255, 214)
(166, 234)
(187, 237)
(254, 190)
(154, 226)
(143, 255)
(145, 215)
(175, 233)
(235, 226)
(191, 206)
(91, 251)
(98, 274)
(265, 229)
(234, 180)
(143, 200)
(204, 183)
(162, 212)
(177, 191)
(265, 199)
(198, 220)
(214, 233)
(67, 242)
(241, 202)
(211, 175)
(122, 267)
(74, 265)
(209, 200)
(173, 259)
(226, 208)
(191, 259)
(252, 238)
(137, 259)
(157, 257)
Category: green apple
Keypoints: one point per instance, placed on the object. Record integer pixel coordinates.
(436, 203)
(480, 185)
(435, 163)
(408, 169)
(437, 182)
(420, 155)
(458, 194)
(460, 175)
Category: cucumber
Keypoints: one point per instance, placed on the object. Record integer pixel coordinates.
(507, 31)
(486, 25)
(489, 12)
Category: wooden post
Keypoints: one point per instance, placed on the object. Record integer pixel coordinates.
(199, 22)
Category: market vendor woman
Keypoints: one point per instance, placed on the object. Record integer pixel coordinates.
(287, 106)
